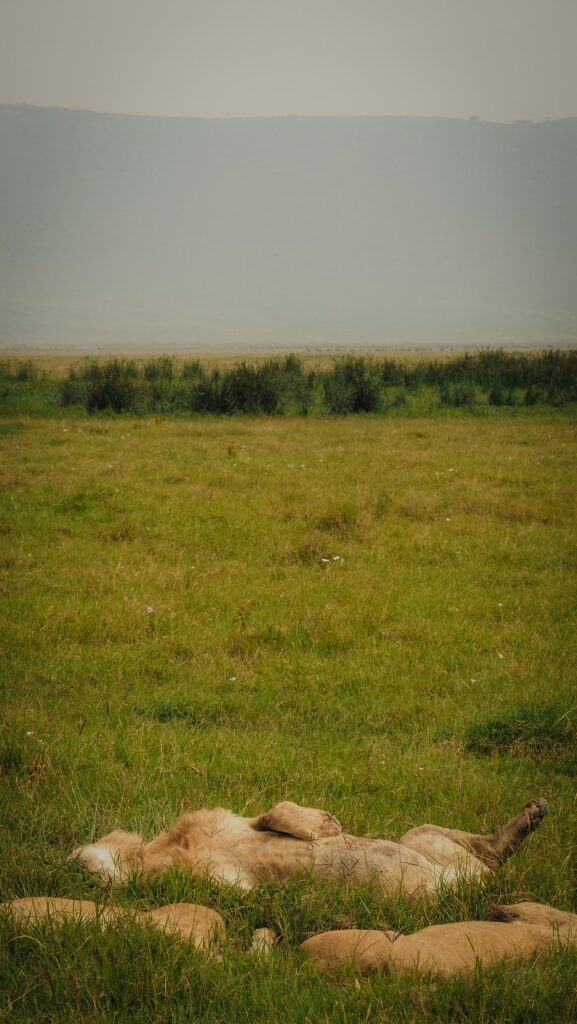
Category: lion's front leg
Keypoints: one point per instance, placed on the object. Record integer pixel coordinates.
(306, 823)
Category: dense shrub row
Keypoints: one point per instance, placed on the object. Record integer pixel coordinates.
(272, 387)
(350, 384)
(19, 370)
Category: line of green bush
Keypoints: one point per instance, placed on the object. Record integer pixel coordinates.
(286, 386)
(352, 384)
(22, 370)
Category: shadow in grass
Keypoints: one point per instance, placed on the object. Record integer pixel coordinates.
(248, 645)
(11, 429)
(543, 733)
(16, 759)
(341, 521)
(84, 500)
(196, 716)
(12, 757)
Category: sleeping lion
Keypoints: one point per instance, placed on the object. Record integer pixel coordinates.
(289, 840)
(514, 933)
(202, 927)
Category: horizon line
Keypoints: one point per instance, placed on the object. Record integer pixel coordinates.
(471, 119)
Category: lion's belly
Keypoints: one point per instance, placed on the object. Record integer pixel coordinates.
(267, 856)
(243, 856)
(389, 864)
(270, 855)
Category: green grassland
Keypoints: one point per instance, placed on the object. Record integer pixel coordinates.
(372, 615)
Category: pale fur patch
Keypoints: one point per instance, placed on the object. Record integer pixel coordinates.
(102, 861)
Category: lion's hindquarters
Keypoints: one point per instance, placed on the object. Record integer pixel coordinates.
(442, 847)
(477, 852)
(199, 925)
(363, 950)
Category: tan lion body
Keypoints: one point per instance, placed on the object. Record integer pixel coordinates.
(520, 930)
(517, 932)
(201, 926)
(289, 840)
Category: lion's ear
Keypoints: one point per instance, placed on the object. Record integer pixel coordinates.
(305, 823)
(501, 912)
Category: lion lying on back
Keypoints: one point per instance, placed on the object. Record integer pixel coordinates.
(289, 840)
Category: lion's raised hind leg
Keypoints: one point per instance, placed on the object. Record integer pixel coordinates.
(491, 850)
(504, 843)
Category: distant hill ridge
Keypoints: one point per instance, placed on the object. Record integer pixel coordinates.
(285, 231)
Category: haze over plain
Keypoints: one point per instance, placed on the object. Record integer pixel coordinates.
(259, 230)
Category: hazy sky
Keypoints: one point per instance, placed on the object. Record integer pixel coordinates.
(497, 59)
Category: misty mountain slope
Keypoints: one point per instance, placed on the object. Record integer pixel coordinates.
(285, 231)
